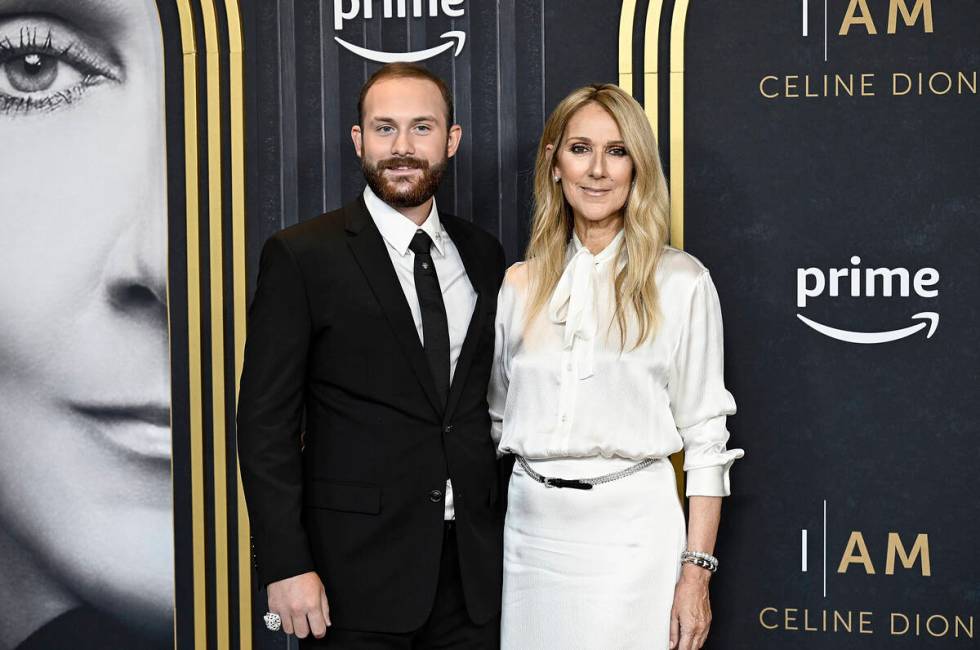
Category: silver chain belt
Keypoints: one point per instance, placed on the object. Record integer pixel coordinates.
(584, 483)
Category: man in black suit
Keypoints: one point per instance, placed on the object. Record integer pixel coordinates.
(379, 515)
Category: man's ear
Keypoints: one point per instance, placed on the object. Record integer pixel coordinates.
(358, 138)
(452, 142)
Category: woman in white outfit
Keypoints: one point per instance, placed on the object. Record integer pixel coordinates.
(608, 359)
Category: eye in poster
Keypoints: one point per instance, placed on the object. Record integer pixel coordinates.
(86, 520)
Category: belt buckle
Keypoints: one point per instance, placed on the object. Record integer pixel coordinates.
(574, 483)
(547, 481)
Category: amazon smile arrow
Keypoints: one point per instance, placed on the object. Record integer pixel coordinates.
(457, 37)
(932, 323)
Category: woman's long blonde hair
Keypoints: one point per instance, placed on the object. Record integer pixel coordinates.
(646, 215)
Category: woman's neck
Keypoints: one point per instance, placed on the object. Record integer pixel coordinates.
(596, 235)
(29, 595)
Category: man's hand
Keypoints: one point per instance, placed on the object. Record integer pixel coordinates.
(301, 603)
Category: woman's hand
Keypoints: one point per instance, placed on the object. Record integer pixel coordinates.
(690, 616)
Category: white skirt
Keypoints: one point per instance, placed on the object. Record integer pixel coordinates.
(591, 569)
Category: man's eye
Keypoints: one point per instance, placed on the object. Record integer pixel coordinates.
(385, 130)
(422, 128)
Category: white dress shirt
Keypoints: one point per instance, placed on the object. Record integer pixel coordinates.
(458, 294)
(563, 387)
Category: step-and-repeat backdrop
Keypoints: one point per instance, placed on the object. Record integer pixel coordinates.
(831, 183)
(823, 163)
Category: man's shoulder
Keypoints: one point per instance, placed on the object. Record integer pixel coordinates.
(326, 225)
(312, 235)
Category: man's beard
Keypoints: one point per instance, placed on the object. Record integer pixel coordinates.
(404, 193)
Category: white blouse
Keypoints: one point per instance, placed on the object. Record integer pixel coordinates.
(562, 387)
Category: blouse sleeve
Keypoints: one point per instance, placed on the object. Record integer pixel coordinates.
(500, 373)
(698, 399)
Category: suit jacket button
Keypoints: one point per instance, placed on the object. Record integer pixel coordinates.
(435, 496)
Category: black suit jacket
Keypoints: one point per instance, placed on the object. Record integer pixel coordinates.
(356, 493)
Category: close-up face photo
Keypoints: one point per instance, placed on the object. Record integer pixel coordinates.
(85, 437)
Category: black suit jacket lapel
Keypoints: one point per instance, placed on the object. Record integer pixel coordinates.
(477, 276)
(372, 256)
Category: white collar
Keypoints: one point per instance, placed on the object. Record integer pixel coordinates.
(397, 229)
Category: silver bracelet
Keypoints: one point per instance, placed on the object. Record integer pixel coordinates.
(701, 559)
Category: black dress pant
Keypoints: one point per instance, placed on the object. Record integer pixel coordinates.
(448, 625)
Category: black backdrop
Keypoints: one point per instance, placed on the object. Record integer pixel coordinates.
(885, 433)
(520, 58)
(881, 434)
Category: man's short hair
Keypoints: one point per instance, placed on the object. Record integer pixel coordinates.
(405, 71)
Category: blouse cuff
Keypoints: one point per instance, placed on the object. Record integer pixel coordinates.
(712, 481)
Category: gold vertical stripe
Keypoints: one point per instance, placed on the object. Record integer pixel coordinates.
(626, 45)
(678, 23)
(216, 276)
(195, 388)
(651, 55)
(237, 135)
(677, 29)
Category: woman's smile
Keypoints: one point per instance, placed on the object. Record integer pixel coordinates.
(596, 192)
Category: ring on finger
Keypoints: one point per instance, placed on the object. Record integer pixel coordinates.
(272, 621)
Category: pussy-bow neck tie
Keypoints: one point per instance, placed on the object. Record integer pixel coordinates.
(574, 302)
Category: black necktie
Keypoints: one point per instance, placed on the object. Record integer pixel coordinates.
(435, 328)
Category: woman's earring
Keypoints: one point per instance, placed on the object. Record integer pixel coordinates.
(556, 177)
